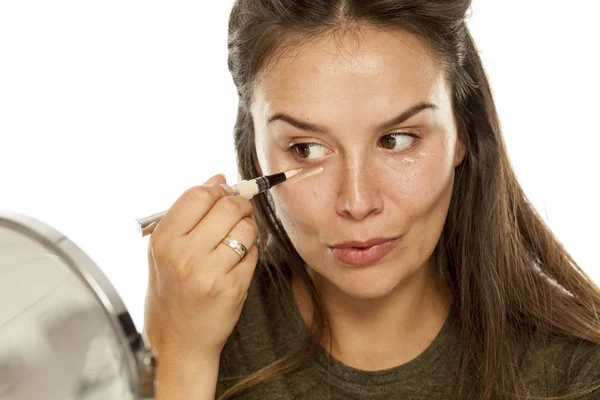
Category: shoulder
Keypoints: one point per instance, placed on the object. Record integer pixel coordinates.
(560, 365)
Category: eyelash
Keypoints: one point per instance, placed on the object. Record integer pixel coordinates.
(294, 146)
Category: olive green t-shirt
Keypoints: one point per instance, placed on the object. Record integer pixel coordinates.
(270, 324)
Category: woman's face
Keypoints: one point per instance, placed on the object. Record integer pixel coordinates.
(336, 104)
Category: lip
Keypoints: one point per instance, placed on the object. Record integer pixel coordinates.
(366, 243)
(361, 253)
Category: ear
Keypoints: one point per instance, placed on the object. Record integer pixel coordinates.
(460, 148)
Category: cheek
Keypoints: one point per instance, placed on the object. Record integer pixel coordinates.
(300, 207)
(424, 201)
(422, 183)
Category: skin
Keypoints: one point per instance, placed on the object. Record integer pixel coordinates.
(386, 313)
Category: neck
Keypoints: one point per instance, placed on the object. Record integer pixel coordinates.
(375, 334)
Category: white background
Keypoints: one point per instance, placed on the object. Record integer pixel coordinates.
(109, 110)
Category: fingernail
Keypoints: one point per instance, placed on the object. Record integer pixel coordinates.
(212, 178)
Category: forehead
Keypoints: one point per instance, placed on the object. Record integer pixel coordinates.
(373, 68)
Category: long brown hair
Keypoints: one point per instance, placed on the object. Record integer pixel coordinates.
(510, 276)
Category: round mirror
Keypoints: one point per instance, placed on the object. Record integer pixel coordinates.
(64, 331)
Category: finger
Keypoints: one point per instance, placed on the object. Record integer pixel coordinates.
(218, 179)
(244, 270)
(151, 263)
(188, 210)
(221, 219)
(245, 233)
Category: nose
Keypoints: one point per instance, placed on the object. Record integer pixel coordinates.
(359, 194)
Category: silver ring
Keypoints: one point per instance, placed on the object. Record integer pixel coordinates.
(236, 246)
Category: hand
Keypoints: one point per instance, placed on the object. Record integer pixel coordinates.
(196, 284)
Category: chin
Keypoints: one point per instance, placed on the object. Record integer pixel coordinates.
(369, 282)
(365, 293)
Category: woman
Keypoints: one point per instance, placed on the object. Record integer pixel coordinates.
(412, 266)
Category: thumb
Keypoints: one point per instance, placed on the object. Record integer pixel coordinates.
(216, 180)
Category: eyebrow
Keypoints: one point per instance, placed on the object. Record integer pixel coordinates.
(305, 126)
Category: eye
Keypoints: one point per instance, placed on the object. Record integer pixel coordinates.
(306, 150)
(397, 141)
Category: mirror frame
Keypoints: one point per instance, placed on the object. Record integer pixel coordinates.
(139, 358)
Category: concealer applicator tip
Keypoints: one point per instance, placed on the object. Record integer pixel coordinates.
(306, 174)
(292, 172)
